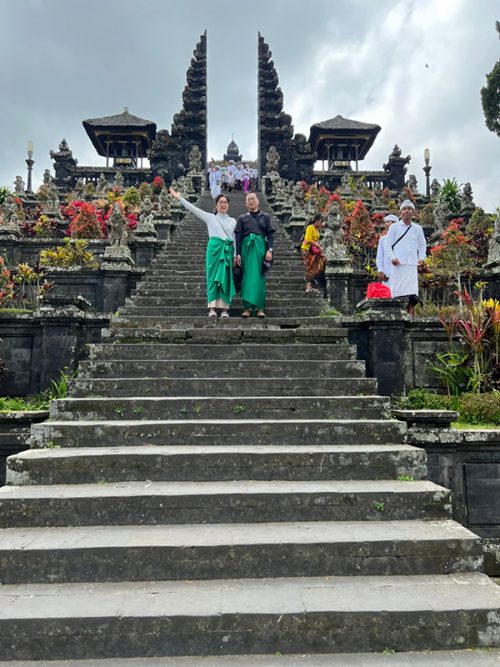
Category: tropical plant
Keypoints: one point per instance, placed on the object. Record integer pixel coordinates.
(132, 197)
(84, 224)
(479, 229)
(4, 193)
(45, 227)
(450, 194)
(454, 257)
(490, 96)
(72, 253)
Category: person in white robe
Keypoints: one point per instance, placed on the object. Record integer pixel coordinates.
(406, 248)
(215, 182)
(384, 264)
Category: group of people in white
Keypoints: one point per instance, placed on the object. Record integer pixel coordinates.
(401, 249)
(231, 176)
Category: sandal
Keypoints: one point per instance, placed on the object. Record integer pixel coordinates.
(260, 313)
(246, 313)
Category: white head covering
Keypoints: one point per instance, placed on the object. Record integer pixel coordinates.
(391, 218)
(407, 202)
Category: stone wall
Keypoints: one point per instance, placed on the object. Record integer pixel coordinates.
(36, 346)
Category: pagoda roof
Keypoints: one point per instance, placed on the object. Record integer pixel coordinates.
(341, 123)
(123, 124)
(345, 131)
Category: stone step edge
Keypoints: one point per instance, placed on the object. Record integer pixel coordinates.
(389, 658)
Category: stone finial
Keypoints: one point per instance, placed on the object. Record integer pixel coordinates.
(9, 217)
(435, 188)
(47, 178)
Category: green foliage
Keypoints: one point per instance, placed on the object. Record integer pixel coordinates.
(4, 193)
(473, 409)
(479, 230)
(454, 372)
(72, 253)
(450, 193)
(59, 388)
(329, 312)
(490, 99)
(132, 197)
(405, 478)
(480, 408)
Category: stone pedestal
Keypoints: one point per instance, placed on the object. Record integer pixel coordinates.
(164, 227)
(338, 273)
(145, 249)
(117, 258)
(198, 181)
(386, 342)
(295, 227)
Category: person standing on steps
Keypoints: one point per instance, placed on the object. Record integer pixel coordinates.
(312, 252)
(384, 265)
(406, 249)
(254, 250)
(220, 253)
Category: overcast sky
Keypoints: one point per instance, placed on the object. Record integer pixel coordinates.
(415, 67)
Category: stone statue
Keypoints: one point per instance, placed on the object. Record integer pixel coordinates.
(396, 169)
(298, 200)
(47, 178)
(9, 217)
(272, 160)
(51, 204)
(441, 217)
(412, 184)
(467, 201)
(164, 203)
(333, 246)
(102, 185)
(435, 188)
(118, 229)
(146, 226)
(493, 260)
(345, 183)
(195, 160)
(118, 182)
(19, 186)
(80, 189)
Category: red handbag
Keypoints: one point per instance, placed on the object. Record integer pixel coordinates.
(378, 291)
(314, 249)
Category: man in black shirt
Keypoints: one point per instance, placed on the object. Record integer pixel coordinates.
(254, 246)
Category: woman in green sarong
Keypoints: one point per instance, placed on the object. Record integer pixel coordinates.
(219, 255)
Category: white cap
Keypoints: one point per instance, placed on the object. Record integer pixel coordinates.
(405, 203)
(391, 218)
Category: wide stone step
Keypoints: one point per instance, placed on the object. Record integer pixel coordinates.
(473, 657)
(212, 387)
(224, 617)
(218, 368)
(166, 292)
(112, 464)
(289, 321)
(157, 312)
(298, 300)
(221, 551)
(151, 503)
(271, 407)
(103, 352)
(217, 432)
(210, 331)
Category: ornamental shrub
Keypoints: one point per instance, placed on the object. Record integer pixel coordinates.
(480, 408)
(85, 224)
(72, 253)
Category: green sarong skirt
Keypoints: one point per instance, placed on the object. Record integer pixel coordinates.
(253, 282)
(219, 270)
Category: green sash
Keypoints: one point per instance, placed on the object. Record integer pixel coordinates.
(219, 270)
(253, 283)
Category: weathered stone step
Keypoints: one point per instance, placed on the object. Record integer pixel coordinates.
(289, 321)
(289, 615)
(158, 301)
(205, 330)
(473, 657)
(167, 292)
(102, 352)
(184, 311)
(87, 465)
(273, 407)
(218, 551)
(151, 503)
(221, 368)
(216, 432)
(211, 387)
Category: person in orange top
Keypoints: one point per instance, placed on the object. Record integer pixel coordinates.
(311, 251)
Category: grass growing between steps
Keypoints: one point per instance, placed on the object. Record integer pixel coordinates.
(39, 402)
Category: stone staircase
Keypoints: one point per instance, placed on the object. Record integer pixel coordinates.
(231, 488)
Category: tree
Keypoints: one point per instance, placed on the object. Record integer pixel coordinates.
(490, 96)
